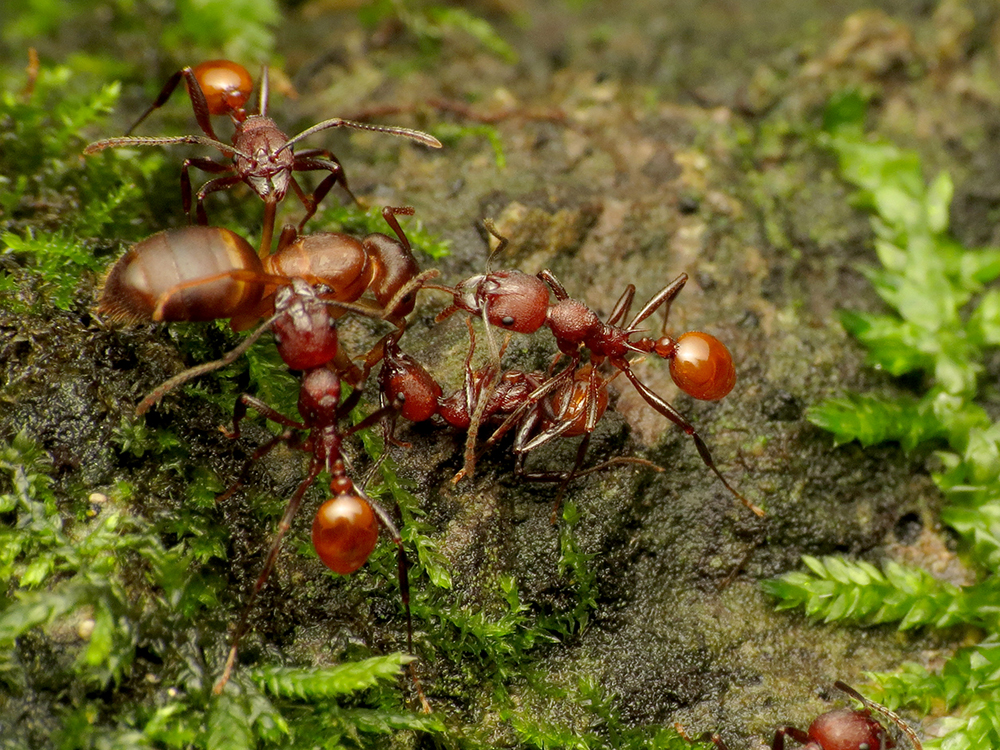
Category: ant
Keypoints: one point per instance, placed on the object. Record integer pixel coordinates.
(345, 528)
(262, 155)
(700, 364)
(513, 397)
(201, 273)
(842, 729)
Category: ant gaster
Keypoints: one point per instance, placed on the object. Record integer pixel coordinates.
(843, 729)
(262, 155)
(700, 364)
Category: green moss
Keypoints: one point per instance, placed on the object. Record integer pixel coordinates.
(941, 327)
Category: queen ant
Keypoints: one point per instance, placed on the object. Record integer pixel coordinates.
(262, 155)
(208, 273)
(842, 729)
(700, 364)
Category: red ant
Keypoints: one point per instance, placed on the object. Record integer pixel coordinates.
(262, 155)
(513, 397)
(207, 273)
(345, 529)
(700, 364)
(842, 729)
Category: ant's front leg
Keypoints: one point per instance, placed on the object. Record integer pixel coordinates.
(246, 401)
(205, 165)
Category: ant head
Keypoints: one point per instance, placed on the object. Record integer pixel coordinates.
(512, 300)
(700, 364)
(319, 397)
(227, 87)
(345, 530)
(876, 738)
(844, 729)
(408, 385)
(304, 331)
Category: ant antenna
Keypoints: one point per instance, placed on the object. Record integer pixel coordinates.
(264, 93)
(337, 122)
(502, 243)
(878, 708)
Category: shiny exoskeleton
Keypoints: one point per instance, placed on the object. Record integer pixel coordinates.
(540, 409)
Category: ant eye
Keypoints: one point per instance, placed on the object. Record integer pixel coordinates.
(507, 321)
(702, 366)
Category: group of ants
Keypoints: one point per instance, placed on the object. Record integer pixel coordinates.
(309, 281)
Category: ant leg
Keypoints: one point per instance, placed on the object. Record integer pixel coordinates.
(316, 159)
(272, 555)
(664, 296)
(161, 98)
(389, 213)
(200, 370)
(247, 401)
(198, 102)
(212, 186)
(622, 306)
(159, 309)
(404, 591)
(796, 734)
(657, 402)
(258, 454)
(205, 165)
(529, 402)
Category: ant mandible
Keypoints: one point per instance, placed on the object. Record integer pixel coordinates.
(344, 529)
(843, 728)
(700, 364)
(261, 153)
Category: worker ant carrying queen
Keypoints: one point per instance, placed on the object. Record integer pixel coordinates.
(208, 273)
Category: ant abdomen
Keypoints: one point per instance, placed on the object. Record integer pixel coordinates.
(191, 274)
(226, 85)
(337, 261)
(393, 266)
(345, 529)
(700, 365)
